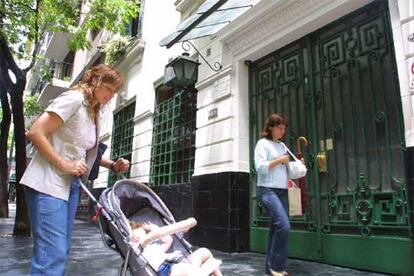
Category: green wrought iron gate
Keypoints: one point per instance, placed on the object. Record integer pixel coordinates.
(339, 88)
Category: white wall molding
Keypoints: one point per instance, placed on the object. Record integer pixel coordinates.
(133, 55)
(213, 77)
(273, 24)
(143, 116)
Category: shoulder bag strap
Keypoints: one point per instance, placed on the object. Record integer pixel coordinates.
(291, 154)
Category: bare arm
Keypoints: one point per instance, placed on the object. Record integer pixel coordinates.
(166, 240)
(121, 165)
(107, 163)
(45, 125)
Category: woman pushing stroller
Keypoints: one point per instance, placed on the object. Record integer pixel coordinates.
(199, 263)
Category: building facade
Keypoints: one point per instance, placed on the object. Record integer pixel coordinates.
(342, 71)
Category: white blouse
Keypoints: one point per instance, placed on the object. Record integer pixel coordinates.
(75, 139)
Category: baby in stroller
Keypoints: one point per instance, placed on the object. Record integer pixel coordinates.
(124, 207)
(200, 262)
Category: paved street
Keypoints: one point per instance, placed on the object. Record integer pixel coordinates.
(89, 256)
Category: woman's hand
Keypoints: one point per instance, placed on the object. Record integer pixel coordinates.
(121, 165)
(278, 161)
(76, 168)
(284, 159)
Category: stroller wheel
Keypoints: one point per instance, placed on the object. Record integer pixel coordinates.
(109, 241)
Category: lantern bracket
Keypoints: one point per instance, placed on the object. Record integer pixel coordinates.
(186, 46)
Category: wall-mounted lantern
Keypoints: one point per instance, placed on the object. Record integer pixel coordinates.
(181, 71)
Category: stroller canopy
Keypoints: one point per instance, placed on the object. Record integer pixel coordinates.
(127, 198)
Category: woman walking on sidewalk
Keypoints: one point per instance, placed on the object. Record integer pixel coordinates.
(66, 139)
(269, 159)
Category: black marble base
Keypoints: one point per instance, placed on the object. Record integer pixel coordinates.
(219, 202)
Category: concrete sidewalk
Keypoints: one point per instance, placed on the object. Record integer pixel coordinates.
(89, 256)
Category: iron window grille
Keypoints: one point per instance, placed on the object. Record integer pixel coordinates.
(173, 145)
(122, 138)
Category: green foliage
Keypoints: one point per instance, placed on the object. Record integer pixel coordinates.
(28, 20)
(32, 107)
(112, 15)
(24, 24)
(45, 73)
(10, 138)
(115, 48)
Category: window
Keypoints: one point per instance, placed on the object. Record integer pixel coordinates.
(173, 145)
(133, 28)
(94, 33)
(122, 137)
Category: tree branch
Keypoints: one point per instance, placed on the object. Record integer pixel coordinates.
(9, 58)
(36, 40)
(5, 81)
(24, 5)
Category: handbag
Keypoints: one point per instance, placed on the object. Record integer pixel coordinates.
(95, 167)
(296, 169)
(295, 202)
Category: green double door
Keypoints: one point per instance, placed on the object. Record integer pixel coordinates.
(339, 88)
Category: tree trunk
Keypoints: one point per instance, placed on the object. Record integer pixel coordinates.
(5, 85)
(22, 222)
(4, 134)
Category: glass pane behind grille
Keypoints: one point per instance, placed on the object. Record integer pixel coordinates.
(173, 144)
(122, 137)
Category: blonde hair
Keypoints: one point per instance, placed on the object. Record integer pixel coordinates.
(135, 224)
(96, 76)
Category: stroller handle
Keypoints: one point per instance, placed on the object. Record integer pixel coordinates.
(180, 226)
(86, 190)
(98, 205)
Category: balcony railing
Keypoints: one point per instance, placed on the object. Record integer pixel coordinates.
(57, 70)
(61, 70)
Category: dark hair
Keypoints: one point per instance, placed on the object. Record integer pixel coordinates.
(274, 119)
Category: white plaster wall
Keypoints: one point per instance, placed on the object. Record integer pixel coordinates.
(141, 154)
(79, 62)
(222, 142)
(241, 92)
(214, 136)
(141, 71)
(160, 19)
(86, 58)
(402, 23)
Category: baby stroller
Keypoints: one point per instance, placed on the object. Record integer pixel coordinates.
(131, 200)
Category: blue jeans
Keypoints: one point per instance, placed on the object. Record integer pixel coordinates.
(52, 220)
(276, 203)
